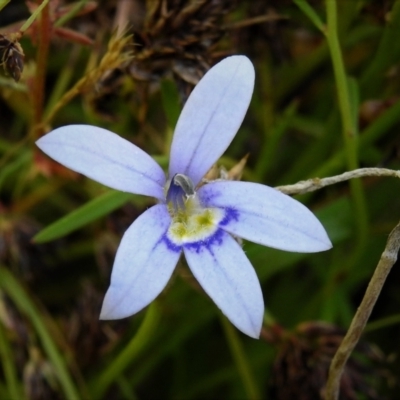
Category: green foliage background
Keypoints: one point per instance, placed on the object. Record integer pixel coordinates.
(326, 101)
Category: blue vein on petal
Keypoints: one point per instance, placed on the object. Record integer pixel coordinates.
(208, 248)
(102, 156)
(208, 123)
(207, 200)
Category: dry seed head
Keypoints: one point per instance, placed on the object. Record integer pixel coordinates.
(115, 57)
(301, 367)
(12, 55)
(179, 36)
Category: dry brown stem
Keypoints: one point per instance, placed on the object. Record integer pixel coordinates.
(387, 260)
(313, 184)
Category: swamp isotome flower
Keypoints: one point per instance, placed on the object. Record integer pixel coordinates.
(199, 221)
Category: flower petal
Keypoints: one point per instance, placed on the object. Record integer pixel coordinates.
(143, 265)
(263, 215)
(211, 117)
(106, 158)
(227, 276)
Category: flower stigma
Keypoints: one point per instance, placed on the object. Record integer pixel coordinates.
(191, 222)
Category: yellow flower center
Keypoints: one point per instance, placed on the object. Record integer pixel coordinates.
(193, 223)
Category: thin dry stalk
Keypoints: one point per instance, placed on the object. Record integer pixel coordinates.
(115, 57)
(313, 184)
(387, 260)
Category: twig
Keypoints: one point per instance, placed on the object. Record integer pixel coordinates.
(387, 260)
(313, 184)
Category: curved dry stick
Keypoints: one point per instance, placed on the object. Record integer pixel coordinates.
(387, 260)
(313, 184)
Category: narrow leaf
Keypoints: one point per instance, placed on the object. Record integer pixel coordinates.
(82, 216)
(310, 12)
(25, 305)
(171, 102)
(3, 3)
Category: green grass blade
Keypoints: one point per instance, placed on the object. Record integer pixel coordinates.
(22, 301)
(310, 12)
(9, 367)
(130, 352)
(3, 3)
(82, 216)
(171, 102)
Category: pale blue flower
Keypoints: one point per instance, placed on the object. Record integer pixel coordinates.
(200, 221)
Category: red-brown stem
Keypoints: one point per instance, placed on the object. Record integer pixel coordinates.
(41, 68)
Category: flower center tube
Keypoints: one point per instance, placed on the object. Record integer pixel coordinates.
(191, 222)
